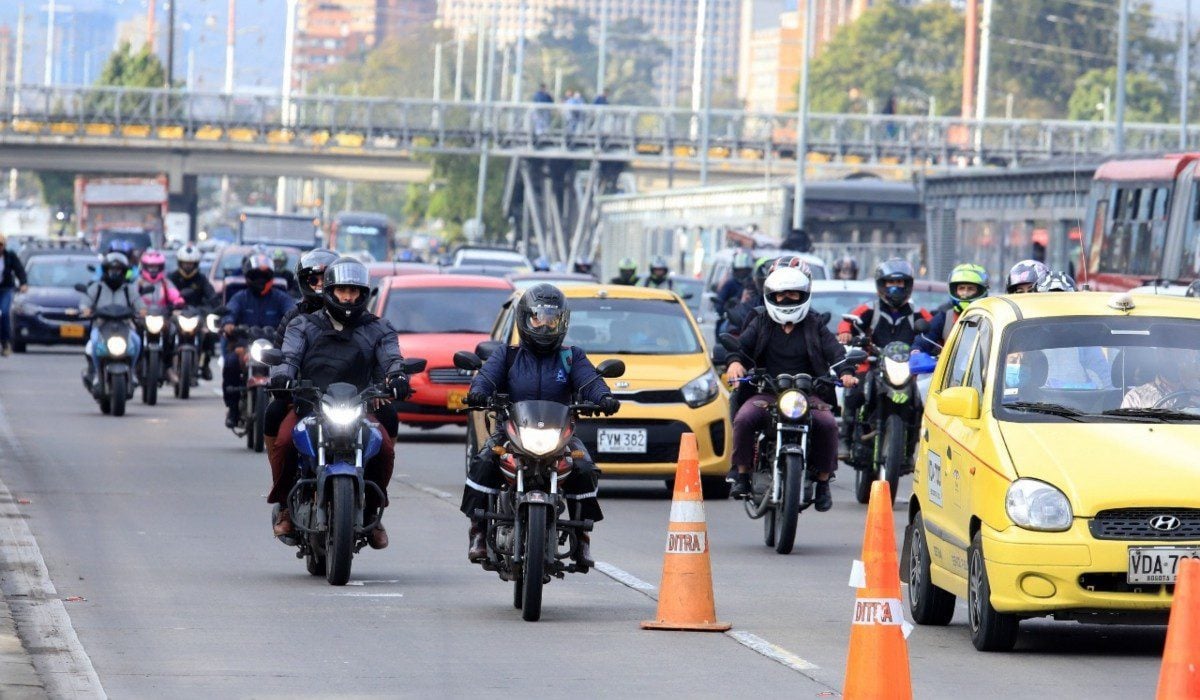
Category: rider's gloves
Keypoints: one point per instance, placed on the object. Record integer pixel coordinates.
(279, 381)
(608, 404)
(477, 399)
(398, 383)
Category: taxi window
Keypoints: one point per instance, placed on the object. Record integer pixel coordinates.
(502, 330)
(977, 375)
(960, 361)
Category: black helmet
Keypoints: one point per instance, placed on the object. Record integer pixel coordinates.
(310, 270)
(346, 272)
(742, 266)
(542, 318)
(659, 268)
(1193, 289)
(259, 273)
(1056, 281)
(894, 281)
(846, 265)
(584, 266)
(114, 269)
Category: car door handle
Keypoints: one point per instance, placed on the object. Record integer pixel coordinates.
(925, 435)
(949, 452)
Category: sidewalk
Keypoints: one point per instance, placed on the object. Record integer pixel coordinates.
(18, 680)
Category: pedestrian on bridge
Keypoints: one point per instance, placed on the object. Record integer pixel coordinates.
(540, 116)
(12, 278)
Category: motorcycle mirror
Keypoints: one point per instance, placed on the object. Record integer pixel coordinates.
(686, 295)
(467, 361)
(272, 357)
(611, 369)
(855, 356)
(80, 287)
(729, 342)
(921, 325)
(413, 365)
(851, 319)
(485, 349)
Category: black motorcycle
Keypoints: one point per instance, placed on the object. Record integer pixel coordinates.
(113, 357)
(781, 483)
(527, 541)
(189, 328)
(253, 399)
(150, 363)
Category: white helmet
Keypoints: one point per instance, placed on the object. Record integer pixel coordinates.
(188, 253)
(787, 279)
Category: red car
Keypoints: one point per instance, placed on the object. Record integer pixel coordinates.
(436, 316)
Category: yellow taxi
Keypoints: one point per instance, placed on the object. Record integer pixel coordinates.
(1056, 469)
(669, 386)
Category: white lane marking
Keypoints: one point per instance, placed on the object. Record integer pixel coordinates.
(366, 581)
(624, 577)
(63, 667)
(356, 594)
(687, 511)
(771, 651)
(436, 493)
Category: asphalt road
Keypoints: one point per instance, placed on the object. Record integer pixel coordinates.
(158, 521)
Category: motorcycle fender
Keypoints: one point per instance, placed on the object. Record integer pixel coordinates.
(116, 368)
(302, 439)
(339, 469)
(539, 497)
(793, 449)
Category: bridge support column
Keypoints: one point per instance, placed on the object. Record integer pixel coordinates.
(184, 197)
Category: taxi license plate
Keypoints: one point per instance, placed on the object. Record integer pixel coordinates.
(70, 330)
(1157, 564)
(621, 440)
(456, 399)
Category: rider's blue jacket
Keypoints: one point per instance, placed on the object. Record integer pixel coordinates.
(249, 309)
(530, 376)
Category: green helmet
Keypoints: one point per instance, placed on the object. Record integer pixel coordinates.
(627, 264)
(967, 273)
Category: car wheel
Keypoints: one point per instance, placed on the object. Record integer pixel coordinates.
(990, 630)
(928, 604)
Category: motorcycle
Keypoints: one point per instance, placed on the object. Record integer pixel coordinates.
(189, 334)
(781, 484)
(334, 441)
(113, 356)
(253, 400)
(527, 542)
(150, 362)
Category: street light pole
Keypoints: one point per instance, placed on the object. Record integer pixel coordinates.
(603, 47)
(289, 47)
(1186, 51)
(170, 76)
(230, 39)
(48, 73)
(517, 92)
(1122, 60)
(985, 61)
(810, 18)
(18, 71)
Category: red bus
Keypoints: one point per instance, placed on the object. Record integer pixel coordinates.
(1143, 223)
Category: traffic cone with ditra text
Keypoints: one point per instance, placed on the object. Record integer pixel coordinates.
(878, 662)
(1180, 674)
(685, 598)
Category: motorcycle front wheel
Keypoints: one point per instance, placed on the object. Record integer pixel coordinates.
(787, 511)
(535, 561)
(260, 417)
(339, 538)
(862, 484)
(150, 379)
(187, 368)
(117, 394)
(895, 444)
(248, 418)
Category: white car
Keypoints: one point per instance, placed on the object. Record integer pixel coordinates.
(492, 258)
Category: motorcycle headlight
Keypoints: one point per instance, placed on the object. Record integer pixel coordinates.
(188, 324)
(539, 441)
(116, 345)
(793, 404)
(1036, 505)
(257, 347)
(213, 322)
(701, 390)
(154, 324)
(340, 414)
(897, 373)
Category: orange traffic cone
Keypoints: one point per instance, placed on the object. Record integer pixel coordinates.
(685, 598)
(878, 663)
(1180, 674)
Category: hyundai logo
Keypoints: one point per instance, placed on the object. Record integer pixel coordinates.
(1165, 523)
(622, 385)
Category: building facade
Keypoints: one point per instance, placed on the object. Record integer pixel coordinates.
(329, 34)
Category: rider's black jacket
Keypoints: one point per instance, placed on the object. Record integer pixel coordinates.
(360, 353)
(822, 346)
(305, 306)
(195, 290)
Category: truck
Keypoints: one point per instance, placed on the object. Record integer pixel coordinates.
(265, 227)
(130, 208)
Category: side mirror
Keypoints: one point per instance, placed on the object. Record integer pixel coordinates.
(729, 342)
(468, 361)
(854, 356)
(960, 402)
(413, 365)
(80, 287)
(687, 295)
(272, 357)
(852, 320)
(611, 369)
(485, 349)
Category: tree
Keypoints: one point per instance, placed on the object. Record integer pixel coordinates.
(1147, 99)
(128, 69)
(909, 53)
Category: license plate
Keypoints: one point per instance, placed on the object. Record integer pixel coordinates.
(1157, 564)
(456, 399)
(621, 440)
(70, 330)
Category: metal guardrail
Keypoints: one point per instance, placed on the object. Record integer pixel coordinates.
(331, 124)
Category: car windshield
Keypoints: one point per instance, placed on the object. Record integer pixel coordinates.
(137, 240)
(58, 271)
(1100, 369)
(445, 310)
(837, 303)
(515, 261)
(691, 291)
(356, 239)
(231, 262)
(631, 327)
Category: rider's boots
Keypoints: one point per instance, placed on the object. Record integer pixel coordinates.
(583, 553)
(741, 486)
(824, 499)
(477, 551)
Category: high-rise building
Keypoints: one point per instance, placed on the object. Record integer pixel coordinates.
(398, 19)
(329, 34)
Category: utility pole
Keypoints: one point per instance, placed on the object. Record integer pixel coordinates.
(48, 74)
(18, 72)
(603, 48)
(481, 44)
(985, 59)
(459, 51)
(1122, 60)
(230, 40)
(970, 59)
(810, 18)
(518, 93)
(289, 50)
(1185, 64)
(170, 43)
(698, 62)
(481, 182)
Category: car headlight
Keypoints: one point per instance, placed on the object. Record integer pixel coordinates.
(539, 441)
(897, 373)
(341, 415)
(793, 404)
(116, 345)
(26, 308)
(1036, 505)
(257, 347)
(702, 389)
(154, 324)
(213, 322)
(188, 324)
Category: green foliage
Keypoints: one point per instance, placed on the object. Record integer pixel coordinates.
(58, 187)
(1147, 98)
(129, 69)
(892, 51)
(452, 194)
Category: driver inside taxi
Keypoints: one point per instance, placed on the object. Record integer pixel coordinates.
(1176, 382)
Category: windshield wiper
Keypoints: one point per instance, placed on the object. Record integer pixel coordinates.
(1164, 414)
(1052, 409)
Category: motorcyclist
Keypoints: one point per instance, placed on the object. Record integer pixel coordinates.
(538, 368)
(1024, 276)
(112, 289)
(890, 318)
(660, 274)
(341, 343)
(158, 292)
(626, 273)
(198, 292)
(845, 268)
(279, 258)
(259, 304)
(541, 264)
(1055, 281)
(752, 300)
(584, 266)
(730, 292)
(1193, 289)
(968, 282)
(787, 339)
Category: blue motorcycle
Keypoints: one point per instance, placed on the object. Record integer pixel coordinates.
(113, 350)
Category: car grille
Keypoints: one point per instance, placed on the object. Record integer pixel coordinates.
(663, 396)
(62, 315)
(1135, 524)
(448, 375)
(1115, 582)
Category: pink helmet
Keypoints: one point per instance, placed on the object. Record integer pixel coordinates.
(153, 265)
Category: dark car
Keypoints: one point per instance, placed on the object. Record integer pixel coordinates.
(525, 280)
(30, 248)
(48, 313)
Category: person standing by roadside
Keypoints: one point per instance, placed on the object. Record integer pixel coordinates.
(12, 279)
